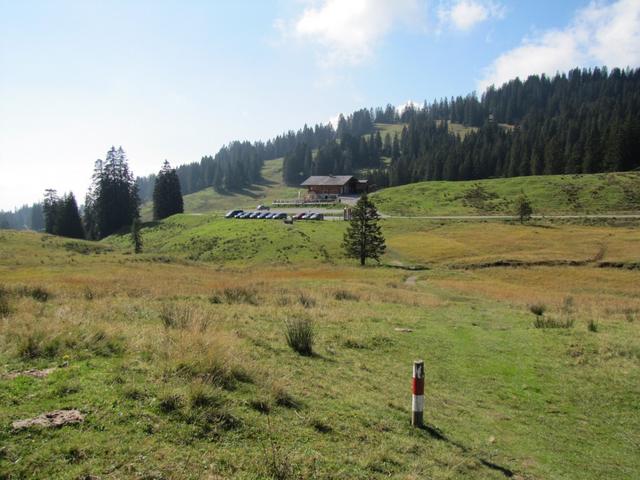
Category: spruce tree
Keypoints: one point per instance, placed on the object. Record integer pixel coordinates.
(363, 238)
(136, 236)
(167, 196)
(68, 222)
(50, 210)
(523, 208)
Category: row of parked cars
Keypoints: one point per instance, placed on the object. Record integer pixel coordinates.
(255, 215)
(272, 215)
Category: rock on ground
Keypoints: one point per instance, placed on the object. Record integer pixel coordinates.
(57, 418)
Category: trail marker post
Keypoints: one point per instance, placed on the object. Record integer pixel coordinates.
(417, 401)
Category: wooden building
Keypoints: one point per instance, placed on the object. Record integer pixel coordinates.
(335, 185)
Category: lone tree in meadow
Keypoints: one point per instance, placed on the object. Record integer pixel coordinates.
(167, 196)
(524, 208)
(136, 236)
(363, 238)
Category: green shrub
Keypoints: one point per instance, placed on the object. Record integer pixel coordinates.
(300, 335)
(592, 326)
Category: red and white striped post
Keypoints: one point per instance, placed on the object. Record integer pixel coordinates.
(417, 401)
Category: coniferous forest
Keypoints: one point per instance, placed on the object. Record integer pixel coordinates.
(584, 121)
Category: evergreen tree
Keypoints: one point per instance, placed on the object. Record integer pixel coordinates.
(68, 222)
(136, 236)
(50, 210)
(363, 238)
(524, 209)
(112, 202)
(167, 196)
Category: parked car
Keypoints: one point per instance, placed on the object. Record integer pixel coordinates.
(254, 215)
(316, 216)
(241, 214)
(279, 216)
(244, 215)
(263, 207)
(232, 213)
(299, 216)
(263, 216)
(306, 216)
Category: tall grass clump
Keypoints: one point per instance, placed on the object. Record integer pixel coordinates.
(38, 293)
(548, 322)
(592, 326)
(306, 301)
(538, 309)
(5, 309)
(300, 335)
(345, 295)
(235, 295)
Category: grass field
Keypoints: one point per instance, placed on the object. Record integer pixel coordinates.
(178, 360)
(556, 194)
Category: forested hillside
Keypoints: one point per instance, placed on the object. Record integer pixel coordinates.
(585, 121)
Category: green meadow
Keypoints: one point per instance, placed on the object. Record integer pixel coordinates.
(178, 360)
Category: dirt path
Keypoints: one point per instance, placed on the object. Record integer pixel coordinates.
(411, 281)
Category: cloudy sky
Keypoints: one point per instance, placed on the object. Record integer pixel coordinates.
(178, 79)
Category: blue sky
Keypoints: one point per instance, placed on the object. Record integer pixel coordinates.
(178, 79)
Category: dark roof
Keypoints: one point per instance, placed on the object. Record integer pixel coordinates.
(338, 180)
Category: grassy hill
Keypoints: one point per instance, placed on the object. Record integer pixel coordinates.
(550, 194)
(178, 360)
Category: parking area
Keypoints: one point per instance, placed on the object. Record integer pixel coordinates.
(285, 214)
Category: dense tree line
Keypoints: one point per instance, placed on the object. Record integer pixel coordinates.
(167, 196)
(585, 122)
(23, 218)
(112, 200)
(335, 157)
(61, 215)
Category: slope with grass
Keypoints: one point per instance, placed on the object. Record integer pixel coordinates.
(182, 369)
(209, 200)
(549, 194)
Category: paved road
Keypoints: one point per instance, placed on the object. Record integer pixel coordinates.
(510, 217)
(336, 214)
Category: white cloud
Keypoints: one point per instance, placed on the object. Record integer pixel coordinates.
(465, 14)
(347, 32)
(600, 34)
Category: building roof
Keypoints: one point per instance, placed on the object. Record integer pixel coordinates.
(327, 180)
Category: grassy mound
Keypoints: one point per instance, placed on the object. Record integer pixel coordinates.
(549, 194)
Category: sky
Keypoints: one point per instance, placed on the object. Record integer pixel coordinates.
(178, 79)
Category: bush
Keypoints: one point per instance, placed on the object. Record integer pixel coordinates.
(37, 293)
(548, 322)
(345, 295)
(300, 335)
(592, 326)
